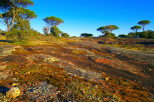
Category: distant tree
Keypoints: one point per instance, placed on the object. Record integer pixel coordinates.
(122, 36)
(152, 35)
(147, 34)
(143, 23)
(108, 34)
(136, 28)
(112, 27)
(86, 35)
(55, 31)
(46, 30)
(65, 35)
(108, 28)
(131, 35)
(102, 29)
(73, 36)
(53, 21)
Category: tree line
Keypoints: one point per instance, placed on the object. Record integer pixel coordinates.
(136, 34)
(16, 17)
(107, 31)
(52, 29)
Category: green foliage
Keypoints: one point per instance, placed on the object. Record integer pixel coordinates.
(53, 21)
(122, 36)
(21, 35)
(65, 35)
(2, 32)
(6, 5)
(55, 31)
(107, 30)
(22, 25)
(102, 29)
(136, 28)
(147, 34)
(7, 19)
(143, 23)
(86, 35)
(12, 10)
(108, 34)
(27, 14)
(16, 35)
(112, 27)
(131, 35)
(73, 36)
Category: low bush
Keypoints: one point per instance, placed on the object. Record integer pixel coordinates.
(22, 35)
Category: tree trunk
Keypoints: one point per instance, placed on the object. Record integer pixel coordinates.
(143, 27)
(8, 27)
(136, 33)
(13, 18)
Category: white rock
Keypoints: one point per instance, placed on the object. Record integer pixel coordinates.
(13, 93)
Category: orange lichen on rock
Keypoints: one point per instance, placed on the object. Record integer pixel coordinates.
(104, 61)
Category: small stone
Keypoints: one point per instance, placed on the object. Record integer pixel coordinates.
(13, 93)
(107, 78)
(16, 73)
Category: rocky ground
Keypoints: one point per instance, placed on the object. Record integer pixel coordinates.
(82, 71)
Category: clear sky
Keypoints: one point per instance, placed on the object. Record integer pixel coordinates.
(85, 16)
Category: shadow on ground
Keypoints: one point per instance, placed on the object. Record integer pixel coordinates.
(8, 41)
(3, 90)
(146, 43)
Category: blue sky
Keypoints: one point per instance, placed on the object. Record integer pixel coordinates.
(85, 16)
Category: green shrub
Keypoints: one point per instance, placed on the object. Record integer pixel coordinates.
(122, 36)
(21, 25)
(146, 34)
(55, 31)
(65, 35)
(21, 35)
(86, 35)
